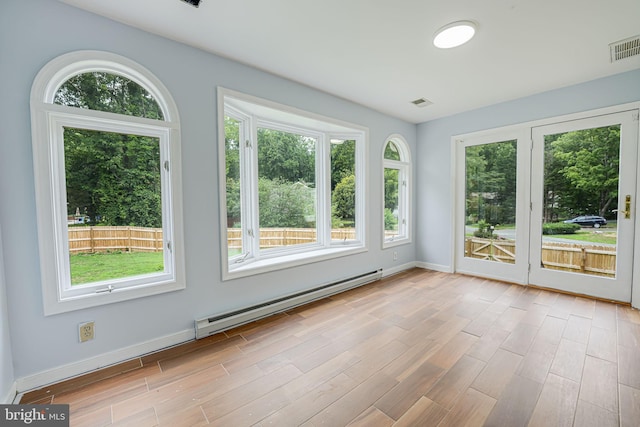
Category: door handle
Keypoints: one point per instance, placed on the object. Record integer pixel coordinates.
(627, 207)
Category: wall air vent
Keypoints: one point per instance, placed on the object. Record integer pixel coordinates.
(421, 102)
(625, 48)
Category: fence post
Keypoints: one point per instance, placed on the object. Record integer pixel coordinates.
(583, 259)
(91, 244)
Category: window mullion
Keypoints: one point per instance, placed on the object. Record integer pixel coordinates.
(251, 227)
(323, 193)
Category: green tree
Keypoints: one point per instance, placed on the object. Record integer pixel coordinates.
(390, 220)
(344, 197)
(391, 189)
(343, 161)
(491, 182)
(588, 161)
(108, 92)
(111, 177)
(286, 156)
(232, 148)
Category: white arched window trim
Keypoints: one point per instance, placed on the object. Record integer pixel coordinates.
(48, 120)
(403, 166)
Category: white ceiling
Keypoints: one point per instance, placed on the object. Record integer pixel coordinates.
(379, 53)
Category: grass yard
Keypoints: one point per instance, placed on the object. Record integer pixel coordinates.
(590, 236)
(88, 268)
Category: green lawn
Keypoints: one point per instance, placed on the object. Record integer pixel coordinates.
(590, 236)
(88, 268)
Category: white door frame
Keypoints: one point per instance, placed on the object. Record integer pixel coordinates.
(526, 128)
(618, 288)
(516, 272)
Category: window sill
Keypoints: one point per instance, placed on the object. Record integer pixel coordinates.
(396, 242)
(282, 262)
(55, 305)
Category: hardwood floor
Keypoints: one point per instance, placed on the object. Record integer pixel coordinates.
(421, 348)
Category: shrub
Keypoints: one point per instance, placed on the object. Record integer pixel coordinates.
(484, 231)
(390, 220)
(559, 228)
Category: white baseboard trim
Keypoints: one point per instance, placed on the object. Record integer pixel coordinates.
(51, 376)
(11, 394)
(435, 267)
(395, 270)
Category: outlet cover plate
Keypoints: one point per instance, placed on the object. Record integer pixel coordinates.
(86, 331)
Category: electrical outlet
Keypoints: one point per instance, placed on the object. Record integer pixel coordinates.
(395, 255)
(86, 331)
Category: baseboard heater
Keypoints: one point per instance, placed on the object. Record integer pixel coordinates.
(218, 323)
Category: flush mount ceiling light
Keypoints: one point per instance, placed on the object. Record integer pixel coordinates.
(454, 34)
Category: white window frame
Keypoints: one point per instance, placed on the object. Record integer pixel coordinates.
(403, 166)
(48, 122)
(252, 113)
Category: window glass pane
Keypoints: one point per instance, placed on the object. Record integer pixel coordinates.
(108, 92)
(232, 166)
(343, 190)
(491, 201)
(391, 151)
(114, 207)
(391, 202)
(581, 176)
(286, 188)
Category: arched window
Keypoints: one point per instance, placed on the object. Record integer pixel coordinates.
(106, 146)
(396, 210)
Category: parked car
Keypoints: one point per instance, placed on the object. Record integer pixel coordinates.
(588, 221)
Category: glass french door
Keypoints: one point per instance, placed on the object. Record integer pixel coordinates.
(584, 184)
(552, 206)
(491, 216)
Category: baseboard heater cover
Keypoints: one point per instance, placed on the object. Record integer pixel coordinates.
(218, 323)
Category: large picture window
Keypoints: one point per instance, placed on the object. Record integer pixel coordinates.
(106, 158)
(294, 185)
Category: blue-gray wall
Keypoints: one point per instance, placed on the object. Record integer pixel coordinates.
(434, 239)
(7, 377)
(34, 32)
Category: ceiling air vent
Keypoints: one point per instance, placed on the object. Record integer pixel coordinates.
(195, 3)
(625, 48)
(421, 102)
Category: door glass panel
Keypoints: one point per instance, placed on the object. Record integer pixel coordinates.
(580, 198)
(490, 201)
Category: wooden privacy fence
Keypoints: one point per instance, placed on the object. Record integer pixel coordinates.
(141, 239)
(277, 237)
(104, 239)
(590, 259)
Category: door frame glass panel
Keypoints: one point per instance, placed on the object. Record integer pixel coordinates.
(513, 272)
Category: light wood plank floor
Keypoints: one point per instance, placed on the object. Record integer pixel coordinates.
(421, 348)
